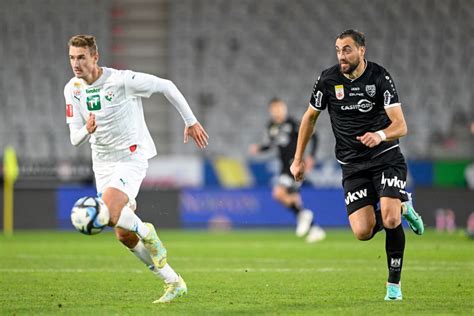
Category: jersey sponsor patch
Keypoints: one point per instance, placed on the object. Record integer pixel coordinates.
(318, 97)
(387, 98)
(93, 102)
(370, 89)
(92, 90)
(69, 112)
(339, 90)
(363, 106)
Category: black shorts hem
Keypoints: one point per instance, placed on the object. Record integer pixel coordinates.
(395, 196)
(357, 206)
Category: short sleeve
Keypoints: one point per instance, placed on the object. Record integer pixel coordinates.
(318, 98)
(389, 95)
(73, 115)
(139, 84)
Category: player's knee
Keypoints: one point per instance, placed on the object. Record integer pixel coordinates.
(278, 195)
(114, 215)
(127, 238)
(391, 219)
(115, 207)
(363, 233)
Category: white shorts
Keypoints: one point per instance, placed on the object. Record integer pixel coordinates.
(125, 175)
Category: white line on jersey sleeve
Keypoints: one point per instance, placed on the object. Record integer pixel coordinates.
(392, 105)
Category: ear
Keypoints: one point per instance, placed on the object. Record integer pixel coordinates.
(96, 57)
(362, 50)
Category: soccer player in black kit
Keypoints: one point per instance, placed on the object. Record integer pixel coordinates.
(282, 133)
(367, 121)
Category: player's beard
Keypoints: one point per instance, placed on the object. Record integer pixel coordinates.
(352, 66)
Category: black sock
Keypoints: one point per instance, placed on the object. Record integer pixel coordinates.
(295, 208)
(394, 246)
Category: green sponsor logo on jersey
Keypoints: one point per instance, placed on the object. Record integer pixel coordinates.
(92, 90)
(93, 102)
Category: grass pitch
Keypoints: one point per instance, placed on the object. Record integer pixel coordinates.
(239, 272)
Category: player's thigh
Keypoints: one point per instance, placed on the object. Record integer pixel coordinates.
(359, 192)
(280, 193)
(115, 201)
(360, 197)
(128, 177)
(119, 186)
(391, 211)
(389, 176)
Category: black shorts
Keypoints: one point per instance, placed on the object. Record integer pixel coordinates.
(366, 182)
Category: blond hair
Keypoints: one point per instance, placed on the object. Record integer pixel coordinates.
(88, 41)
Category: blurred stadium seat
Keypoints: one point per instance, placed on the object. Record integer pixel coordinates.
(35, 69)
(239, 54)
(229, 58)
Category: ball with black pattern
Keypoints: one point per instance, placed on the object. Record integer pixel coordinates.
(89, 215)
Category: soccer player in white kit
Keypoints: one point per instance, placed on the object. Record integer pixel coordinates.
(104, 105)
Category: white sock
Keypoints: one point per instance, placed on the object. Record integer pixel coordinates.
(167, 274)
(142, 253)
(130, 221)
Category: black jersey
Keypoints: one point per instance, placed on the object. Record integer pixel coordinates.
(356, 107)
(284, 136)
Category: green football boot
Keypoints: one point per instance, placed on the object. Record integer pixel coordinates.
(412, 217)
(394, 292)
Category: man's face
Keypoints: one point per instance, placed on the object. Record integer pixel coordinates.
(278, 112)
(82, 61)
(349, 54)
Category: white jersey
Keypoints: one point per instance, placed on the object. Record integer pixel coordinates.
(115, 99)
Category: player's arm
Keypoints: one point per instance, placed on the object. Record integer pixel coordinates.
(314, 145)
(308, 122)
(144, 85)
(389, 98)
(79, 133)
(396, 129)
(309, 159)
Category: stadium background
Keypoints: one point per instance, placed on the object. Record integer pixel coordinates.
(229, 57)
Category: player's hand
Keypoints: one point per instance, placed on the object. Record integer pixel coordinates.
(370, 139)
(308, 163)
(197, 133)
(90, 124)
(254, 149)
(297, 169)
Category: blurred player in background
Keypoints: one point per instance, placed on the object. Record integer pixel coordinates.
(104, 105)
(367, 121)
(282, 133)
